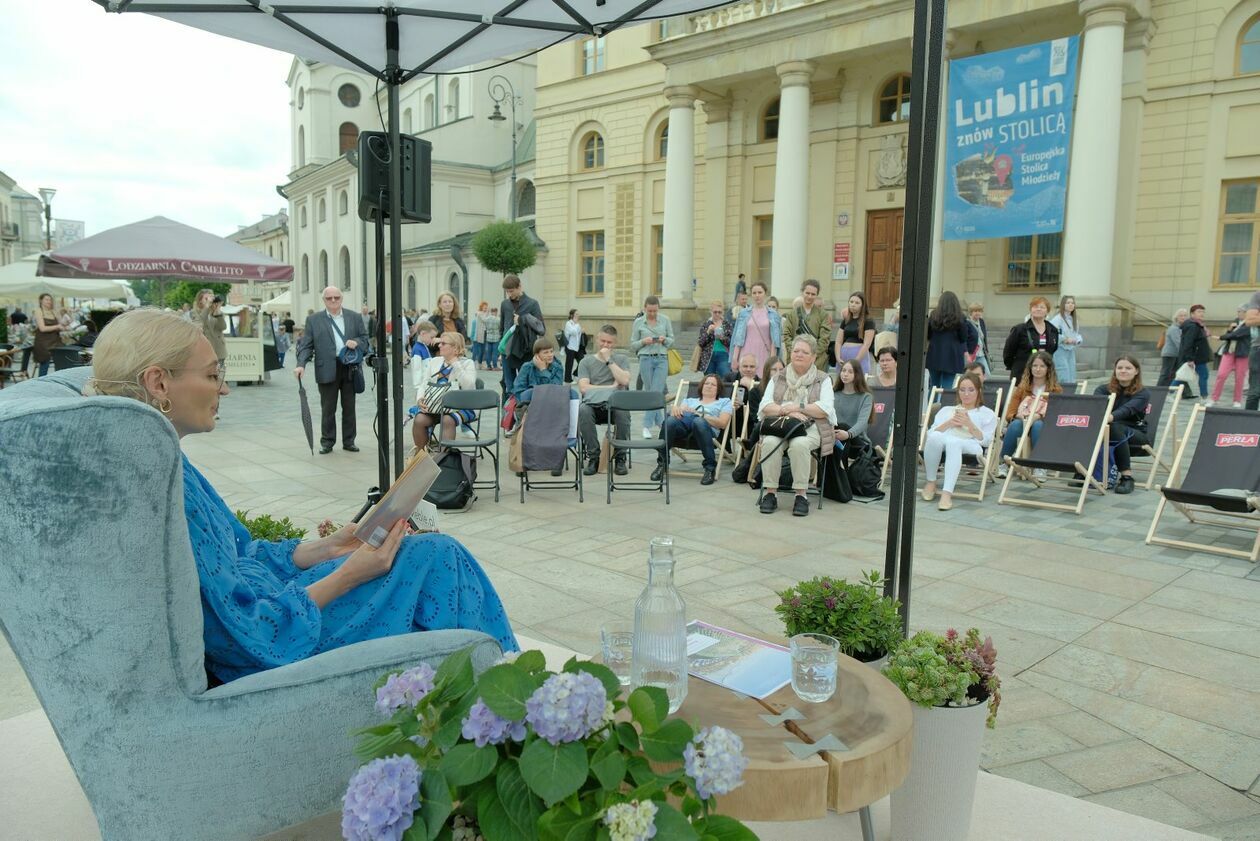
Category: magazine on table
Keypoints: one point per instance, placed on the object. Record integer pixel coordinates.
(400, 501)
(739, 662)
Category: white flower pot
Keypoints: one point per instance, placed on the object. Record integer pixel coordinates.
(934, 803)
(877, 665)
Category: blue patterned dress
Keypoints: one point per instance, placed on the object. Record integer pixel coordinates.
(258, 616)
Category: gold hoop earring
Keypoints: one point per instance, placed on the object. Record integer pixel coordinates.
(163, 405)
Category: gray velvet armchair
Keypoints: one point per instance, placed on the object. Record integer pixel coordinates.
(99, 600)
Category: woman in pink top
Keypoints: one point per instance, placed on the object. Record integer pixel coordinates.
(758, 329)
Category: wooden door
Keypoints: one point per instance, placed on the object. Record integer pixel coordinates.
(883, 257)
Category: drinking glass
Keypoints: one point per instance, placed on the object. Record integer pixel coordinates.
(618, 643)
(815, 659)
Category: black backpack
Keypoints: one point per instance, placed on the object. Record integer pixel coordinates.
(453, 488)
(862, 468)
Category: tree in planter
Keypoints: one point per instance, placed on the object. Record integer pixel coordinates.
(504, 247)
(867, 624)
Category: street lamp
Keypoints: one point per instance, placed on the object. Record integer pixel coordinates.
(501, 89)
(47, 193)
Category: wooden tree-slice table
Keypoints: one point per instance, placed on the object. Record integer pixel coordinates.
(868, 714)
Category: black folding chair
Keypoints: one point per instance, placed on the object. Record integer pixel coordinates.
(1073, 440)
(572, 448)
(631, 402)
(880, 430)
(1159, 431)
(68, 357)
(483, 444)
(1222, 480)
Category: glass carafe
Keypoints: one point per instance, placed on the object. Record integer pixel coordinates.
(659, 655)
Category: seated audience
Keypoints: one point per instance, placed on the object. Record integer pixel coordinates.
(886, 375)
(1128, 416)
(963, 429)
(544, 369)
(425, 340)
(977, 369)
(855, 406)
(742, 383)
(599, 375)
(1028, 406)
(699, 420)
(270, 603)
(800, 392)
(450, 369)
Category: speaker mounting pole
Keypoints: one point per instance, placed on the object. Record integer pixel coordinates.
(393, 78)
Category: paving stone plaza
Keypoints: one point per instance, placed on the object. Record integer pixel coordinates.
(1130, 675)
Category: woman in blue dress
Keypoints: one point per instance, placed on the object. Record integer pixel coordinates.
(266, 604)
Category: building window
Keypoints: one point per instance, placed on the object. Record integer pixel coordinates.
(592, 56)
(894, 100)
(301, 98)
(658, 259)
(347, 137)
(344, 259)
(763, 230)
(407, 126)
(670, 28)
(770, 121)
(591, 265)
(1032, 262)
(301, 146)
(1237, 264)
(525, 198)
(1249, 47)
(452, 100)
(430, 111)
(593, 151)
(343, 203)
(411, 292)
(306, 274)
(302, 215)
(323, 270)
(323, 210)
(348, 95)
(661, 145)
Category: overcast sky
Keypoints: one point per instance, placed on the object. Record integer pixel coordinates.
(130, 116)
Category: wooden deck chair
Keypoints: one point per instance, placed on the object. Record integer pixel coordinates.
(1165, 400)
(987, 464)
(1073, 440)
(688, 389)
(1222, 480)
(880, 429)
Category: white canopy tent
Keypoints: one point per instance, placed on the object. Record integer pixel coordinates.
(19, 282)
(283, 301)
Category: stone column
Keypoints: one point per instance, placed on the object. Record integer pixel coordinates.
(942, 179)
(791, 181)
(680, 195)
(714, 275)
(1090, 226)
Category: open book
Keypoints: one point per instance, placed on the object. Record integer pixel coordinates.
(400, 501)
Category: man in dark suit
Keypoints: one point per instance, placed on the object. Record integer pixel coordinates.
(325, 335)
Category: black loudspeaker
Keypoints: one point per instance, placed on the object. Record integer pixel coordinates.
(417, 177)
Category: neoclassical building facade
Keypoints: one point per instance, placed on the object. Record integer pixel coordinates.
(768, 138)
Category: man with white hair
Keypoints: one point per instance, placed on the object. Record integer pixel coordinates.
(326, 334)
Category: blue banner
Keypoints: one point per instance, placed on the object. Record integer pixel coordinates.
(1010, 127)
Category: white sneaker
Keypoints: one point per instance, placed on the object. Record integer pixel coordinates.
(1039, 473)
(647, 434)
(1001, 471)
(1237, 405)
(1207, 404)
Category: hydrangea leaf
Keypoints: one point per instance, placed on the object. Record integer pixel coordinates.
(648, 706)
(505, 689)
(435, 803)
(610, 771)
(553, 772)
(671, 824)
(666, 743)
(725, 828)
(466, 764)
(604, 674)
(522, 808)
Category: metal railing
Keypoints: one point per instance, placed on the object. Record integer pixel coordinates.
(1142, 314)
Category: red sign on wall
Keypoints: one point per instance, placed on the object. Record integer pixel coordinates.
(841, 253)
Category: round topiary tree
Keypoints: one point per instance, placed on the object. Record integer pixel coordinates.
(504, 247)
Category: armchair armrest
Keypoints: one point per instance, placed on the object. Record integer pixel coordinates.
(362, 662)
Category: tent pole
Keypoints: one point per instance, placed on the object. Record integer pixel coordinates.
(918, 242)
(392, 82)
(381, 359)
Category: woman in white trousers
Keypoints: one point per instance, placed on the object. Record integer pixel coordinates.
(964, 429)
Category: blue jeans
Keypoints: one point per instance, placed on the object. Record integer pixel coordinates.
(941, 379)
(478, 352)
(653, 368)
(1200, 368)
(676, 431)
(1011, 439)
(492, 354)
(719, 363)
(43, 368)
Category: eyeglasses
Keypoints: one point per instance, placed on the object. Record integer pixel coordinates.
(332, 297)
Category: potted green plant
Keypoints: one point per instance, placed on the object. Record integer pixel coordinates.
(865, 621)
(524, 754)
(953, 682)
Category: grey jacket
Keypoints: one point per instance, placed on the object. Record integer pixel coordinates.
(318, 339)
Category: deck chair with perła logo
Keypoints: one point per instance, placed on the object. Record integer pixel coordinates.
(1164, 401)
(1073, 441)
(686, 390)
(1221, 485)
(880, 429)
(980, 469)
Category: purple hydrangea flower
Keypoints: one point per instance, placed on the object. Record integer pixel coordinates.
(715, 760)
(485, 727)
(404, 689)
(381, 800)
(567, 708)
